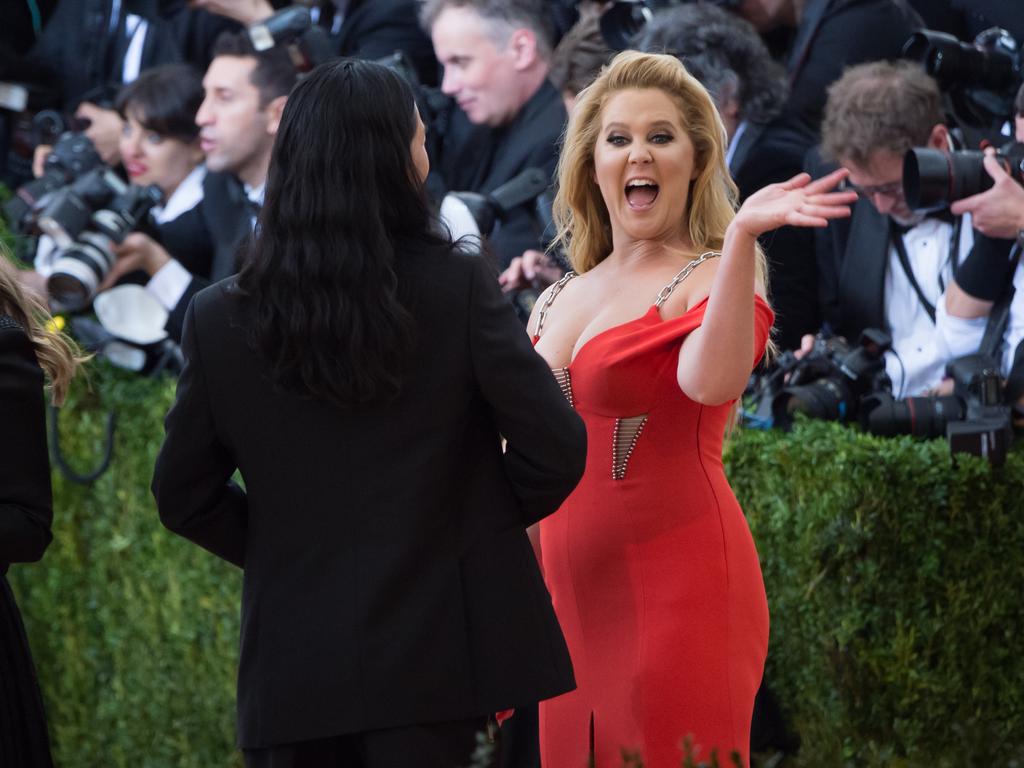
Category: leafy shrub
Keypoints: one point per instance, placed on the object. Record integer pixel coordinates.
(894, 578)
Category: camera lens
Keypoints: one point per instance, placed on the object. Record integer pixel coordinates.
(78, 271)
(924, 417)
(933, 179)
(823, 399)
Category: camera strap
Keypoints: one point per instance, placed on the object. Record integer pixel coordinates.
(999, 316)
(896, 235)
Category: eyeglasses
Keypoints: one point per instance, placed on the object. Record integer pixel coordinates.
(892, 189)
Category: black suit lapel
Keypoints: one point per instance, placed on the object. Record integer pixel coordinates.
(750, 136)
(862, 273)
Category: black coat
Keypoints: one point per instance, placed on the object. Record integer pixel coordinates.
(388, 578)
(222, 223)
(25, 516)
(374, 29)
(475, 158)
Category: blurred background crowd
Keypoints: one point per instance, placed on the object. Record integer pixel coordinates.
(135, 137)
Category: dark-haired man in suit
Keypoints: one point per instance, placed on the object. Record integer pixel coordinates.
(245, 94)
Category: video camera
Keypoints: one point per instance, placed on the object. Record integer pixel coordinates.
(836, 382)
(981, 78)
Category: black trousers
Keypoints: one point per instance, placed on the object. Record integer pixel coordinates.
(433, 745)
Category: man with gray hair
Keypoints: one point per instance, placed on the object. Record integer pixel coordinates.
(496, 57)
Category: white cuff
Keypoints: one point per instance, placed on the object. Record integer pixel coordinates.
(960, 335)
(169, 284)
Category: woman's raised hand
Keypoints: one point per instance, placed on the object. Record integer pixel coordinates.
(798, 202)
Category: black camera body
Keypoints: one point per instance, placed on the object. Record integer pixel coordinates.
(72, 156)
(933, 179)
(975, 418)
(625, 19)
(829, 382)
(292, 28)
(84, 218)
(981, 78)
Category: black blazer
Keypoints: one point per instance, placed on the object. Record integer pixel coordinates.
(26, 505)
(388, 577)
(374, 29)
(476, 158)
(222, 222)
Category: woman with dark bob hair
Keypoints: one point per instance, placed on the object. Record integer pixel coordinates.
(360, 373)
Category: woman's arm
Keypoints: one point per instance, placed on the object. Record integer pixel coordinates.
(716, 359)
(26, 507)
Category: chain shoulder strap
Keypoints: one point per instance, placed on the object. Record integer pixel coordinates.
(553, 291)
(682, 275)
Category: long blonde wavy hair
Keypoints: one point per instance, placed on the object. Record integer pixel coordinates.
(57, 355)
(581, 217)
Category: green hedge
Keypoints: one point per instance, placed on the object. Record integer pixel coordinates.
(894, 579)
(134, 630)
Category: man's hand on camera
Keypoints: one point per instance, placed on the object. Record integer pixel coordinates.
(532, 269)
(997, 212)
(39, 155)
(245, 12)
(138, 251)
(104, 130)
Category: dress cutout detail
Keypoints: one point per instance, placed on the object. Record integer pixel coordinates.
(627, 432)
(564, 379)
(650, 563)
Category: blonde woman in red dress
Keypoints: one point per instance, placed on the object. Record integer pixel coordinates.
(654, 574)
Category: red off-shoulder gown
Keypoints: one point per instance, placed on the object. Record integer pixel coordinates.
(650, 562)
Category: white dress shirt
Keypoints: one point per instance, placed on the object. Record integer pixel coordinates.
(920, 350)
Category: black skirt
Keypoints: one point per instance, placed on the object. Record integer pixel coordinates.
(24, 741)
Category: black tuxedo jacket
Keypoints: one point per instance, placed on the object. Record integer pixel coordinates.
(476, 158)
(388, 578)
(222, 222)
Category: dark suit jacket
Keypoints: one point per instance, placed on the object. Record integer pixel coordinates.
(767, 154)
(26, 505)
(222, 221)
(476, 158)
(388, 577)
(374, 29)
(836, 34)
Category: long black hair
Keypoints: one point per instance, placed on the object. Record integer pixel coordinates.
(343, 204)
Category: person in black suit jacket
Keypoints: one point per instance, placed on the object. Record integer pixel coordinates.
(359, 373)
(26, 504)
(245, 93)
(496, 58)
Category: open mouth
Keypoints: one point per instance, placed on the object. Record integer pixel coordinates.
(641, 194)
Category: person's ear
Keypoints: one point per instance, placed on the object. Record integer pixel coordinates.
(523, 44)
(939, 138)
(274, 110)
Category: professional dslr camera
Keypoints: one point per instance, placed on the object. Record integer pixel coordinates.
(72, 156)
(975, 417)
(84, 219)
(980, 78)
(827, 383)
(293, 29)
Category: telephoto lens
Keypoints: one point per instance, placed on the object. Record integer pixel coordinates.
(933, 179)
